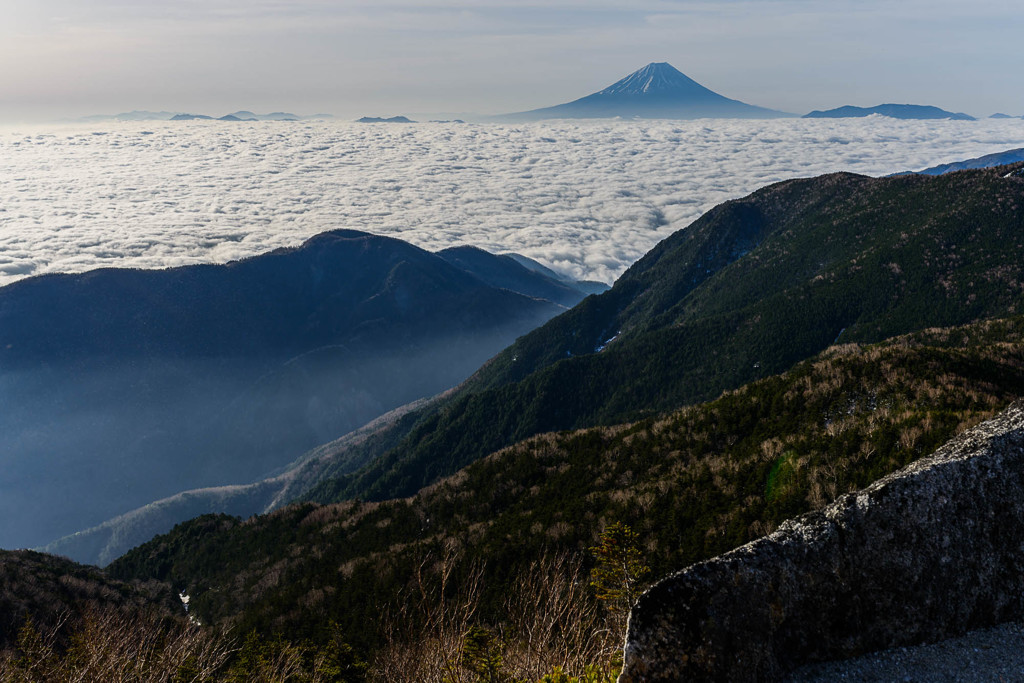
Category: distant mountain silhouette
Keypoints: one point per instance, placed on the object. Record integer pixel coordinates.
(378, 119)
(894, 111)
(118, 387)
(509, 272)
(132, 116)
(278, 116)
(657, 91)
(1010, 156)
(241, 115)
(246, 115)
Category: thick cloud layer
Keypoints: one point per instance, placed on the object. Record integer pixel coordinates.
(585, 198)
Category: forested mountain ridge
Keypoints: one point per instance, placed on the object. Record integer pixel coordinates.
(50, 590)
(750, 288)
(510, 533)
(693, 483)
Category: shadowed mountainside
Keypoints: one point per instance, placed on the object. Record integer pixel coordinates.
(749, 289)
(119, 387)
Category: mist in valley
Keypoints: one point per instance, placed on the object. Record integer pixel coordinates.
(118, 387)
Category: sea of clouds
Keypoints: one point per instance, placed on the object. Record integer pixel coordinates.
(586, 198)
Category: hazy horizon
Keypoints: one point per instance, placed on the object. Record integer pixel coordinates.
(67, 59)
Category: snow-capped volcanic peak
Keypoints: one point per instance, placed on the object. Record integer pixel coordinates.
(657, 91)
(656, 77)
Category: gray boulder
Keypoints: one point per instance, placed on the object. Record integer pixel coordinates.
(926, 553)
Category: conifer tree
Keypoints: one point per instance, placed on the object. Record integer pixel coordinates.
(619, 572)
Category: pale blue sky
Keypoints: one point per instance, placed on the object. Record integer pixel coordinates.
(66, 58)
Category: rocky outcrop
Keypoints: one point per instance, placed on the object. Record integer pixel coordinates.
(928, 552)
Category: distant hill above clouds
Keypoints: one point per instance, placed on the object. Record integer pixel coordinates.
(273, 116)
(240, 115)
(378, 119)
(1010, 156)
(243, 116)
(136, 115)
(191, 117)
(657, 91)
(894, 111)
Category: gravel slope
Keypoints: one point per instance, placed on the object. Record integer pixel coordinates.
(994, 654)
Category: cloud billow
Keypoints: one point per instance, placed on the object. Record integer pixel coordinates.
(586, 198)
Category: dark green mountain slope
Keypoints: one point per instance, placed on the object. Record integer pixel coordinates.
(694, 483)
(752, 287)
(52, 591)
(119, 387)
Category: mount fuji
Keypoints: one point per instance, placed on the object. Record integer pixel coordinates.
(657, 91)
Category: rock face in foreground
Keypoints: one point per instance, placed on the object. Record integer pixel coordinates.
(925, 553)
